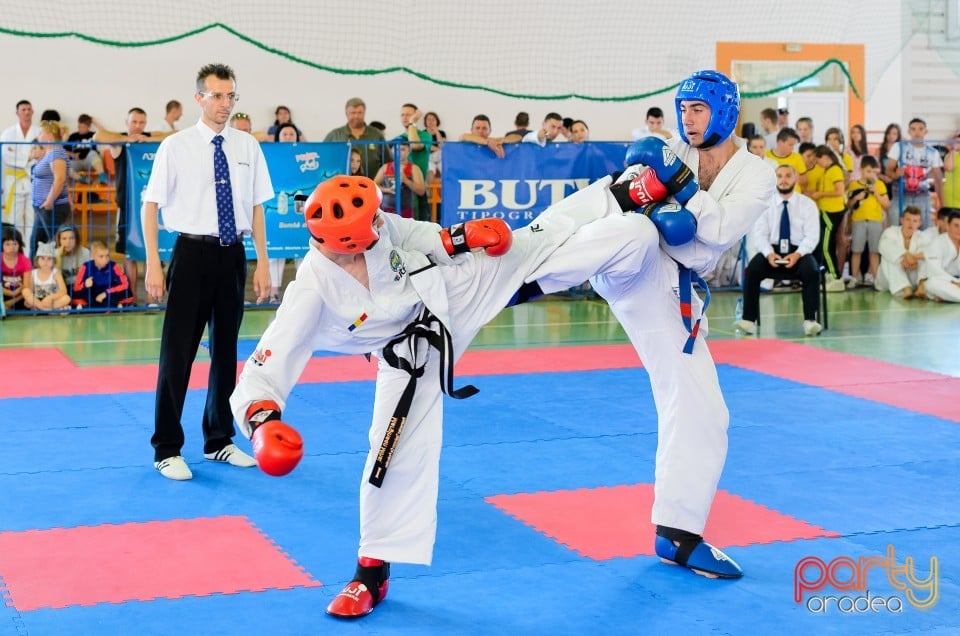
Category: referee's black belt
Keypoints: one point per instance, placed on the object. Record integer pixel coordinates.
(210, 240)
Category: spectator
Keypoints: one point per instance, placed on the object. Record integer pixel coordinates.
(565, 125)
(768, 122)
(829, 196)
(100, 282)
(379, 125)
(786, 236)
(903, 267)
(891, 140)
(242, 121)
(784, 154)
(917, 162)
(480, 134)
(284, 133)
(943, 219)
(44, 289)
(15, 266)
(375, 151)
(356, 163)
(17, 207)
(522, 123)
(834, 139)
(283, 116)
(653, 126)
(579, 132)
(808, 152)
(804, 129)
(51, 198)
(758, 146)
(431, 122)
(943, 263)
(128, 207)
(420, 143)
(783, 118)
(85, 159)
(549, 130)
(858, 147)
(951, 186)
(868, 202)
(70, 256)
(174, 112)
(50, 115)
(411, 183)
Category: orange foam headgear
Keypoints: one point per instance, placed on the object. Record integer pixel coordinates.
(340, 214)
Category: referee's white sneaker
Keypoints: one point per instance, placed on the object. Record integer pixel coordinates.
(232, 455)
(811, 327)
(174, 468)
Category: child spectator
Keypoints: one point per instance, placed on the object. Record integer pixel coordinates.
(69, 256)
(410, 183)
(868, 202)
(15, 266)
(44, 289)
(101, 282)
(356, 163)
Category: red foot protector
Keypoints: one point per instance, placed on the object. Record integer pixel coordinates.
(615, 522)
(88, 565)
(368, 587)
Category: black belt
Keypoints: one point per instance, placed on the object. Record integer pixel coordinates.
(210, 240)
(429, 329)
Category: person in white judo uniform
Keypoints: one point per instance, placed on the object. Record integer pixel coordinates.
(415, 295)
(711, 173)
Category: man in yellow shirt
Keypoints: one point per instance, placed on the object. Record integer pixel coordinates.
(784, 155)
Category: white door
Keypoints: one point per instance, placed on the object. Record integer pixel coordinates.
(825, 109)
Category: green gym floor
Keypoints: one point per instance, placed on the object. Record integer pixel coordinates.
(913, 333)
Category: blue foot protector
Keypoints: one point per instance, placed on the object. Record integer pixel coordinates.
(694, 553)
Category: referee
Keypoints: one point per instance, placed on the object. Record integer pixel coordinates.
(210, 181)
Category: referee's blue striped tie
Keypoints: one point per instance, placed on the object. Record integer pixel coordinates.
(226, 223)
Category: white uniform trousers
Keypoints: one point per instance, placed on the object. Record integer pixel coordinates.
(639, 281)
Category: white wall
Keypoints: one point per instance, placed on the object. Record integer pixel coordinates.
(105, 82)
(76, 76)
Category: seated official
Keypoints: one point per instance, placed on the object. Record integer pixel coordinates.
(786, 235)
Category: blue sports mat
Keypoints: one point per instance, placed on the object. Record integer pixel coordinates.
(876, 474)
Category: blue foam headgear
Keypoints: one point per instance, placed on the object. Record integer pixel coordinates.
(722, 96)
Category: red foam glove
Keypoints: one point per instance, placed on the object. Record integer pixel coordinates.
(277, 446)
(492, 235)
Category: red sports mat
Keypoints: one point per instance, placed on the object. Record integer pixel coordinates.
(87, 565)
(615, 522)
(911, 389)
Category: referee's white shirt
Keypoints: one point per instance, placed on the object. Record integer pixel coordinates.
(182, 183)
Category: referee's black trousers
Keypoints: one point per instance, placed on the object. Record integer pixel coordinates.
(205, 284)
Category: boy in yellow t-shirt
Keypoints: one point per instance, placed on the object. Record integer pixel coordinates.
(867, 201)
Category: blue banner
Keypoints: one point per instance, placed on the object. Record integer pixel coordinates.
(476, 184)
(139, 166)
(294, 169)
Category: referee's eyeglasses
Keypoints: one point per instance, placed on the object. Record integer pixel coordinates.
(233, 98)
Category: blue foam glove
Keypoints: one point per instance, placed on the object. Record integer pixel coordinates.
(676, 224)
(672, 172)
